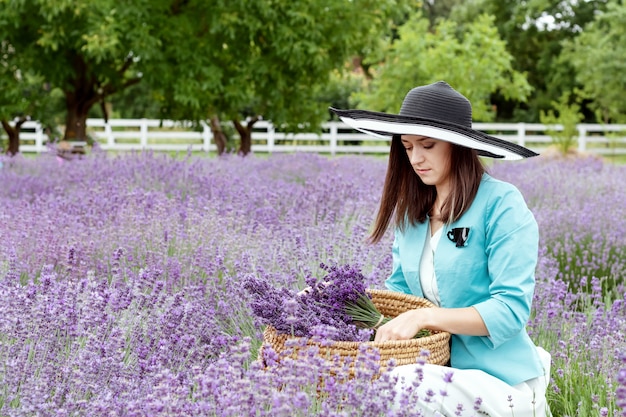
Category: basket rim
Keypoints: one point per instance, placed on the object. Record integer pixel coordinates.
(400, 296)
(435, 337)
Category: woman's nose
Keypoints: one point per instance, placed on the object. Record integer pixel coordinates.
(416, 156)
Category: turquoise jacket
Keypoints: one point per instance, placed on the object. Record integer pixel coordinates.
(494, 271)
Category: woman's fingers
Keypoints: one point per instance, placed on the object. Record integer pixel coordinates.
(403, 327)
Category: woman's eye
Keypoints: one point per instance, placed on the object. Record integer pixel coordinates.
(407, 149)
(428, 146)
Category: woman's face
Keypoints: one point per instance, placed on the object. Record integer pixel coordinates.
(430, 158)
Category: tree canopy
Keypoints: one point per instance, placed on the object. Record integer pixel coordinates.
(242, 60)
(476, 63)
(24, 95)
(202, 60)
(598, 56)
(534, 32)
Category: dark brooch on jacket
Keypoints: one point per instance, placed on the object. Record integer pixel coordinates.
(459, 236)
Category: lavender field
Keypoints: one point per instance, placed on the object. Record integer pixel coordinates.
(121, 282)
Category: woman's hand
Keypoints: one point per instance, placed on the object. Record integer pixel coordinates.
(465, 320)
(403, 327)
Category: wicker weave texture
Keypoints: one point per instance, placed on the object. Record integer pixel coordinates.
(404, 352)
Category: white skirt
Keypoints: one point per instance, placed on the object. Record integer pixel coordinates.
(430, 390)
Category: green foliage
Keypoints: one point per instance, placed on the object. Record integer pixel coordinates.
(23, 92)
(534, 31)
(285, 60)
(340, 88)
(568, 116)
(194, 58)
(281, 58)
(598, 56)
(86, 49)
(438, 10)
(475, 62)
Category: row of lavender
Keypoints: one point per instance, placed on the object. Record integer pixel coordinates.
(121, 281)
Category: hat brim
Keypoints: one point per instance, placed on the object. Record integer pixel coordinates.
(385, 125)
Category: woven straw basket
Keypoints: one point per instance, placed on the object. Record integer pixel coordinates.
(404, 352)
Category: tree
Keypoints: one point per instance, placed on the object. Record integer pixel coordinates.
(277, 58)
(95, 49)
(85, 48)
(437, 10)
(235, 59)
(598, 57)
(533, 32)
(476, 63)
(567, 114)
(24, 95)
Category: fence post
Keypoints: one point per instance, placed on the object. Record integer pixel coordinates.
(109, 134)
(271, 132)
(582, 138)
(206, 136)
(143, 139)
(521, 134)
(333, 138)
(38, 138)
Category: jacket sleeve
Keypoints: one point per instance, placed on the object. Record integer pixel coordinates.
(396, 281)
(512, 240)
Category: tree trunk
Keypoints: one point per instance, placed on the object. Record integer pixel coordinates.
(76, 117)
(87, 90)
(84, 93)
(218, 134)
(14, 135)
(245, 133)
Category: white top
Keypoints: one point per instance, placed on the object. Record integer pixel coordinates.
(428, 280)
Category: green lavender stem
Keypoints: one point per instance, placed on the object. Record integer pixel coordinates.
(365, 315)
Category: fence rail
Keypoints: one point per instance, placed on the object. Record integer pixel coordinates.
(336, 137)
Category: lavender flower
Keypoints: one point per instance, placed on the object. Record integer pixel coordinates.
(620, 393)
(121, 281)
(318, 312)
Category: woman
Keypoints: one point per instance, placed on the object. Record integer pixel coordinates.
(468, 243)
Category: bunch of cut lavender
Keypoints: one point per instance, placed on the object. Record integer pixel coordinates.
(339, 303)
(301, 315)
(340, 286)
(343, 291)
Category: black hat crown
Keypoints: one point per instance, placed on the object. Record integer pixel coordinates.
(438, 101)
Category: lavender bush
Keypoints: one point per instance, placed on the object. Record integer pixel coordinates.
(121, 281)
(579, 304)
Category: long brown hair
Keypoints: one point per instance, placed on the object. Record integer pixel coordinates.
(408, 200)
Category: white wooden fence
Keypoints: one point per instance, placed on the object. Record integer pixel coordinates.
(168, 135)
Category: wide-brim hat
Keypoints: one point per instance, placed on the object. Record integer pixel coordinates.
(437, 111)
